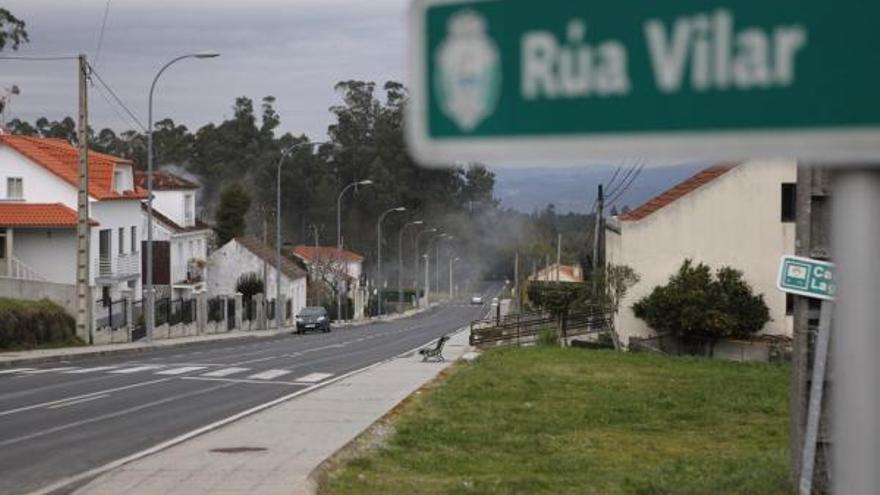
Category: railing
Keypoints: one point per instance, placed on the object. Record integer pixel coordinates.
(15, 268)
(119, 266)
(525, 328)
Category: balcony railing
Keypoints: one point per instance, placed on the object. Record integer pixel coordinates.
(15, 268)
(120, 266)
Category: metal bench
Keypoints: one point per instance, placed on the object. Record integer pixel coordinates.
(435, 352)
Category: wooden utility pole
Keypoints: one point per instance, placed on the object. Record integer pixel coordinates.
(813, 240)
(83, 300)
(516, 280)
(558, 254)
(598, 232)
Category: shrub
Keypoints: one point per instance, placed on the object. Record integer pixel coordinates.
(701, 308)
(548, 336)
(249, 284)
(29, 324)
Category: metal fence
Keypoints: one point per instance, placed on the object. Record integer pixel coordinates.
(215, 308)
(525, 328)
(111, 314)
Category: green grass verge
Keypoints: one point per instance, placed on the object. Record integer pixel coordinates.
(560, 421)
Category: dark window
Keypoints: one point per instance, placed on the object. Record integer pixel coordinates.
(789, 202)
(105, 296)
(789, 304)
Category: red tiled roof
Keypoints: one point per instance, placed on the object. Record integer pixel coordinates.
(62, 159)
(267, 254)
(37, 215)
(326, 252)
(164, 181)
(680, 190)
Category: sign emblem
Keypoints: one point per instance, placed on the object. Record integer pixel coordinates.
(467, 76)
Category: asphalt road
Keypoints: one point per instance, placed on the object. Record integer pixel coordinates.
(63, 419)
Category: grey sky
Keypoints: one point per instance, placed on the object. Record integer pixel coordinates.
(295, 50)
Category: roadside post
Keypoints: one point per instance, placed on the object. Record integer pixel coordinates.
(562, 82)
(814, 279)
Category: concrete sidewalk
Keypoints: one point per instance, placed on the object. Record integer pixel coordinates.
(274, 451)
(37, 356)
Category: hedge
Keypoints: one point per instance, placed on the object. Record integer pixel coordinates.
(29, 324)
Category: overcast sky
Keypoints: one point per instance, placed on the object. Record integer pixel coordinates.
(295, 50)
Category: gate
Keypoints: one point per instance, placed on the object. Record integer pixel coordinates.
(230, 313)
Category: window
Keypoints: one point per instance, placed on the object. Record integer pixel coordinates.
(789, 202)
(2, 244)
(134, 239)
(14, 188)
(121, 240)
(118, 186)
(188, 216)
(789, 304)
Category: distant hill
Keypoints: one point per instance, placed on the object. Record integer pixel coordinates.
(574, 189)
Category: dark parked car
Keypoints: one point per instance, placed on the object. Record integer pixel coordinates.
(313, 318)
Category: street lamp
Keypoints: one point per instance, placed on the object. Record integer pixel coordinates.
(365, 182)
(452, 260)
(400, 259)
(278, 302)
(379, 250)
(416, 267)
(427, 265)
(149, 319)
(446, 237)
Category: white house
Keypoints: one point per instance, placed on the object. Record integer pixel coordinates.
(180, 240)
(330, 265)
(244, 255)
(38, 201)
(738, 215)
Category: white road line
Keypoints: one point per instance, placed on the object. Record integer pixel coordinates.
(138, 368)
(180, 371)
(49, 370)
(225, 372)
(245, 380)
(14, 370)
(80, 401)
(268, 375)
(66, 399)
(314, 377)
(92, 370)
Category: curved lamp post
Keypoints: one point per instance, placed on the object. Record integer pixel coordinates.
(400, 258)
(428, 263)
(444, 237)
(149, 315)
(365, 182)
(279, 310)
(379, 249)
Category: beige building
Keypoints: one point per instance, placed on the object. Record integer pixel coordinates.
(738, 215)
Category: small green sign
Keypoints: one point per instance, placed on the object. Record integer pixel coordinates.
(806, 277)
(557, 80)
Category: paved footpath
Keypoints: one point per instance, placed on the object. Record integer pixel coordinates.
(273, 451)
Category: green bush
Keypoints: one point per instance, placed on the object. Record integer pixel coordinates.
(700, 307)
(548, 336)
(30, 324)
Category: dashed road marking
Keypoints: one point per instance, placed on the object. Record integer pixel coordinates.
(79, 401)
(269, 374)
(225, 372)
(90, 370)
(314, 377)
(14, 370)
(49, 370)
(181, 371)
(137, 369)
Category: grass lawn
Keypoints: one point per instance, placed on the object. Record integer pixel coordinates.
(554, 421)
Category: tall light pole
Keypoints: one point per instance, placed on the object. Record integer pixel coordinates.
(379, 273)
(400, 259)
(452, 260)
(365, 182)
(149, 316)
(427, 264)
(280, 307)
(416, 267)
(446, 237)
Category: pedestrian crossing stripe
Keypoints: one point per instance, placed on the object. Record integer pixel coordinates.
(269, 375)
(181, 371)
(158, 369)
(90, 370)
(137, 369)
(314, 377)
(224, 372)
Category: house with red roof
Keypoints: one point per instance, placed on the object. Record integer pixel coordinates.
(38, 201)
(331, 268)
(737, 215)
(180, 239)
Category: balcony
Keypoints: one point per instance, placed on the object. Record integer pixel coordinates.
(119, 267)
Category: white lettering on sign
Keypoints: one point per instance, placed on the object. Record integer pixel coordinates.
(718, 56)
(574, 68)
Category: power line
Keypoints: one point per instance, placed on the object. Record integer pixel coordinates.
(612, 190)
(627, 186)
(610, 182)
(122, 117)
(116, 98)
(101, 36)
(36, 59)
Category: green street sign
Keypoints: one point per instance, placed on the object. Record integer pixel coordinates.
(806, 277)
(568, 81)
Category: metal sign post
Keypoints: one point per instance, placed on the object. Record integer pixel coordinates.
(811, 278)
